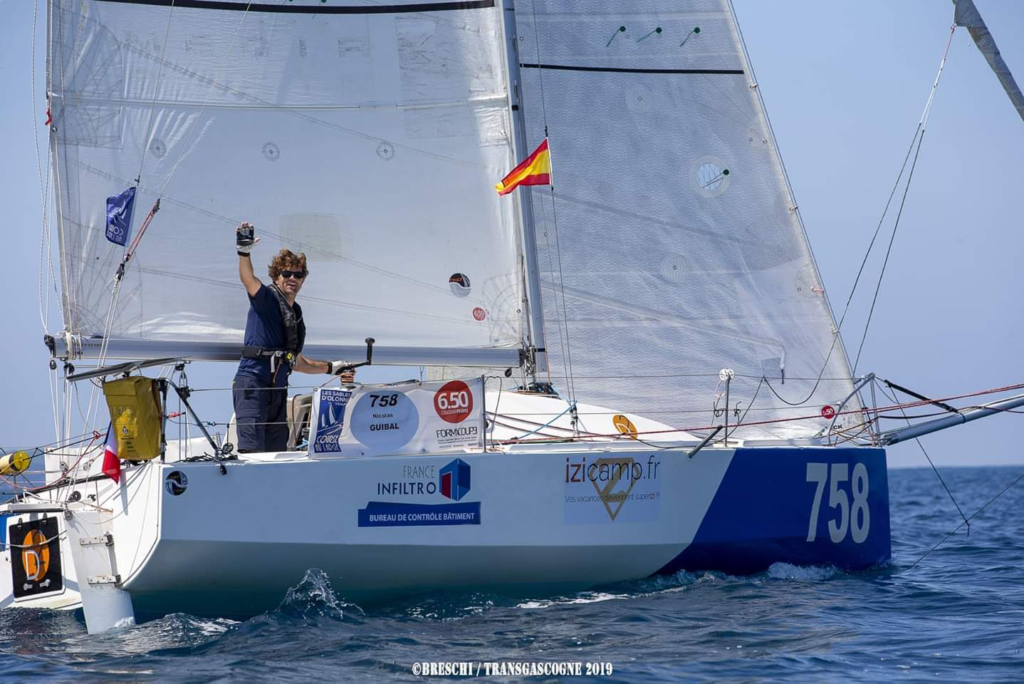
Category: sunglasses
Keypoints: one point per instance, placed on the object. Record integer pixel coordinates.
(299, 275)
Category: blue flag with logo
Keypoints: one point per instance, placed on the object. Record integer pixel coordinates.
(119, 216)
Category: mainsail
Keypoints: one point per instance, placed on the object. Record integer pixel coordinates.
(670, 246)
(366, 135)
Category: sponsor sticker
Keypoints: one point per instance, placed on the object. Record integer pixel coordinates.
(459, 437)
(453, 402)
(385, 514)
(423, 483)
(36, 561)
(828, 412)
(176, 483)
(384, 419)
(329, 419)
(479, 314)
(612, 489)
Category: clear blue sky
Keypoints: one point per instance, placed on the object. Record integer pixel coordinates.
(844, 83)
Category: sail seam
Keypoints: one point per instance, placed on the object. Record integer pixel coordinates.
(487, 100)
(631, 70)
(313, 9)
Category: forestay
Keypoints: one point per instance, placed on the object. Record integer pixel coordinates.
(368, 136)
(680, 250)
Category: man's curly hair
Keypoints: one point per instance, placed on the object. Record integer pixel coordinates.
(287, 260)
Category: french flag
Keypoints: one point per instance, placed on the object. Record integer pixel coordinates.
(111, 463)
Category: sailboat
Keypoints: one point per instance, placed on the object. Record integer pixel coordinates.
(633, 370)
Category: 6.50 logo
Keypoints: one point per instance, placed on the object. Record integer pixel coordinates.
(854, 517)
(453, 402)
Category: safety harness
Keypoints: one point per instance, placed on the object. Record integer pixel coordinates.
(295, 337)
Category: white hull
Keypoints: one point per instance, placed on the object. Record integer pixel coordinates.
(232, 544)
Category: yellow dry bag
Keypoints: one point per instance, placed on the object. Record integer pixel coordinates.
(134, 404)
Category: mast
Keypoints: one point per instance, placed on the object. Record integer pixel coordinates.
(966, 14)
(537, 353)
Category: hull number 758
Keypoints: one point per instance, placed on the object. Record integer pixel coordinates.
(854, 518)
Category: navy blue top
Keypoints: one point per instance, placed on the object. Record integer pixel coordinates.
(264, 327)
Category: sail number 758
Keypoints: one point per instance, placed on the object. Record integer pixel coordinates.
(854, 518)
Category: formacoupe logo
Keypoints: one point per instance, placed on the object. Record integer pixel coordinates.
(455, 479)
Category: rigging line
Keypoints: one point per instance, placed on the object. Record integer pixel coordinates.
(538, 429)
(65, 281)
(561, 284)
(45, 248)
(497, 405)
(739, 424)
(66, 299)
(156, 94)
(922, 125)
(957, 529)
(878, 228)
(853, 290)
(930, 462)
(39, 166)
(888, 252)
(749, 406)
(564, 344)
(860, 271)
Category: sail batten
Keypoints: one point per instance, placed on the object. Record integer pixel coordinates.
(316, 7)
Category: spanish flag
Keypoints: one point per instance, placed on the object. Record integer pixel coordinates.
(535, 170)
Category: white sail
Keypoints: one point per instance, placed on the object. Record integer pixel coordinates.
(680, 250)
(367, 136)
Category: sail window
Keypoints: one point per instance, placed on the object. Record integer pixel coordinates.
(710, 176)
(459, 285)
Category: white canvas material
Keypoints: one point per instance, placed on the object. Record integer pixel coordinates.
(680, 251)
(371, 142)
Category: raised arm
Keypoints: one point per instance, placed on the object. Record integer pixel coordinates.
(244, 242)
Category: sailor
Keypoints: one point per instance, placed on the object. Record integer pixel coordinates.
(274, 336)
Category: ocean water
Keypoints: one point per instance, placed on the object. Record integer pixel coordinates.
(957, 614)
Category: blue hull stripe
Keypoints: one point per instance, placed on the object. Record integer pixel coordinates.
(762, 511)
